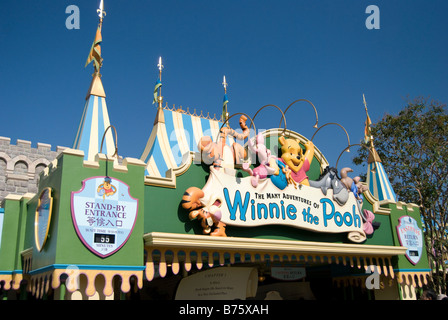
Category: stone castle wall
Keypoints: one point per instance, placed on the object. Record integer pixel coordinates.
(21, 164)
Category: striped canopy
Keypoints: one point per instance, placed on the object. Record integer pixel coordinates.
(174, 134)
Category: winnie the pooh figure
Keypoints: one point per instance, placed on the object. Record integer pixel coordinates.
(295, 159)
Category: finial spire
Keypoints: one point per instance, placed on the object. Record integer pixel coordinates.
(101, 12)
(364, 100)
(158, 95)
(160, 66)
(225, 114)
(158, 87)
(367, 133)
(373, 155)
(96, 87)
(224, 83)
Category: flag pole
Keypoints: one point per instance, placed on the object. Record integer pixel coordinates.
(95, 50)
(225, 114)
(101, 14)
(158, 88)
(373, 155)
(367, 133)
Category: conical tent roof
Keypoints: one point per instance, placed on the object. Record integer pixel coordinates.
(93, 124)
(378, 180)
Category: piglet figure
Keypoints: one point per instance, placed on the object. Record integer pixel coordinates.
(264, 156)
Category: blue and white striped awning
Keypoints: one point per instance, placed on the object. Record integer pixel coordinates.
(94, 122)
(172, 138)
(378, 182)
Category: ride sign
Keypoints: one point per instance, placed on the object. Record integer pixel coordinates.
(103, 214)
(305, 207)
(411, 237)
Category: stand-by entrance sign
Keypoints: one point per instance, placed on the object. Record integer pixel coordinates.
(104, 214)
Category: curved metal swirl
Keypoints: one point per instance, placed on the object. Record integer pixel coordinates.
(273, 105)
(305, 100)
(347, 148)
(335, 123)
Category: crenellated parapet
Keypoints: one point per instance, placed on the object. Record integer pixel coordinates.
(21, 164)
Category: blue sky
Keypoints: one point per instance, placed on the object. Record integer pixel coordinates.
(272, 52)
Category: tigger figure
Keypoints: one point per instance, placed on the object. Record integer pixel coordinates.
(210, 220)
(220, 155)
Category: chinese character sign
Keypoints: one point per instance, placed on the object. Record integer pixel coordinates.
(104, 214)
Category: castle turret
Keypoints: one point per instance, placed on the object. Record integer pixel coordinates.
(95, 118)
